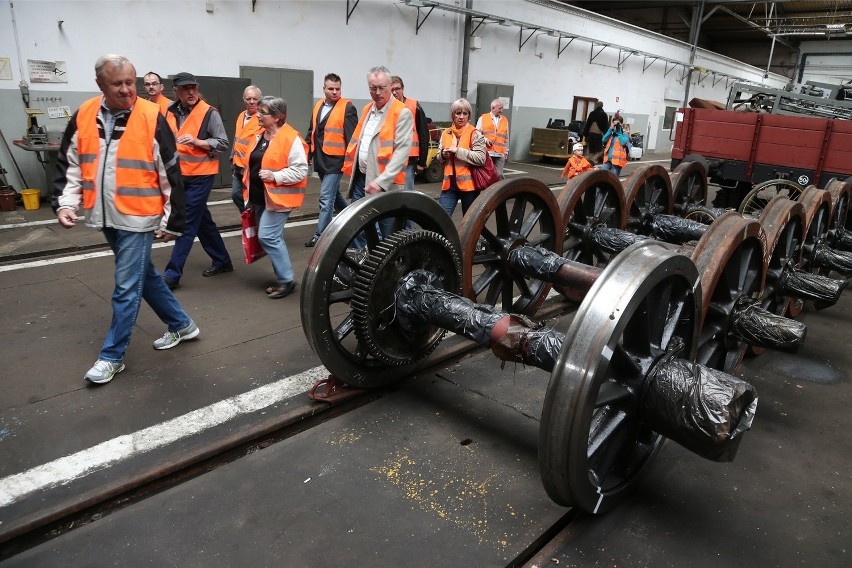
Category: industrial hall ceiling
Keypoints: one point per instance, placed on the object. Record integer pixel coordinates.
(741, 30)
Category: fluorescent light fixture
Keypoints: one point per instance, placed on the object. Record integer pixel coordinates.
(505, 23)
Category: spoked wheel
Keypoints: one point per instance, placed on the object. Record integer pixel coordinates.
(731, 259)
(510, 214)
(590, 200)
(783, 221)
(760, 195)
(326, 295)
(817, 205)
(648, 191)
(704, 215)
(689, 186)
(592, 442)
(840, 192)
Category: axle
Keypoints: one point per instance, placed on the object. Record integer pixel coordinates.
(713, 425)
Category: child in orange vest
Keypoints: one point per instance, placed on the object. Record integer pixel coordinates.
(576, 164)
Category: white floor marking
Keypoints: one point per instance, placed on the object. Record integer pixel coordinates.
(66, 469)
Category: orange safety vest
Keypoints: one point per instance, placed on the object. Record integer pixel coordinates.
(575, 166)
(194, 161)
(415, 143)
(244, 134)
(164, 103)
(333, 138)
(137, 181)
(500, 137)
(464, 177)
(276, 158)
(386, 136)
(619, 154)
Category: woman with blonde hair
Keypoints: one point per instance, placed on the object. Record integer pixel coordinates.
(461, 146)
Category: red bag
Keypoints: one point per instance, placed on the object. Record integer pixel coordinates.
(251, 244)
(484, 175)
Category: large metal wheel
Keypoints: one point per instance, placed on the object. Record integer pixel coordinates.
(326, 291)
(592, 441)
(689, 186)
(647, 192)
(511, 213)
(761, 194)
(817, 204)
(783, 221)
(434, 172)
(731, 259)
(840, 192)
(590, 200)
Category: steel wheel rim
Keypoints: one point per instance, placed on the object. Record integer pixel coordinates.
(325, 307)
(591, 199)
(648, 191)
(534, 219)
(689, 186)
(729, 269)
(582, 462)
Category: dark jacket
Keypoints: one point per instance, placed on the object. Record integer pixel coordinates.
(323, 163)
(599, 117)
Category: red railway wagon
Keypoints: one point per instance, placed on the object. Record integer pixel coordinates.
(743, 148)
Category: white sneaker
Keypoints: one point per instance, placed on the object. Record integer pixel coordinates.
(103, 372)
(172, 338)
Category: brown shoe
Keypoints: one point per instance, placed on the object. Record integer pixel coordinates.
(282, 290)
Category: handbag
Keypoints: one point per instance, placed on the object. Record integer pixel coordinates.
(251, 243)
(484, 175)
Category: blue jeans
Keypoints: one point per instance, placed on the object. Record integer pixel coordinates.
(330, 200)
(449, 198)
(198, 222)
(136, 279)
(614, 169)
(270, 233)
(410, 172)
(237, 189)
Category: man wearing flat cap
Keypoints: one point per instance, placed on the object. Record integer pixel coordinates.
(200, 137)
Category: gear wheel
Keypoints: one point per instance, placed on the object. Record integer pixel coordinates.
(374, 294)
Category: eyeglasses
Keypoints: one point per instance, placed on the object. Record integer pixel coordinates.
(154, 84)
(264, 112)
(396, 89)
(378, 89)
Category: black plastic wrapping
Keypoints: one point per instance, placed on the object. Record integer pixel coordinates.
(822, 290)
(704, 410)
(536, 262)
(420, 300)
(612, 240)
(837, 260)
(522, 340)
(841, 239)
(761, 328)
(676, 230)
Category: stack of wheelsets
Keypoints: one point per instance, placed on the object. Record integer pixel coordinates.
(657, 322)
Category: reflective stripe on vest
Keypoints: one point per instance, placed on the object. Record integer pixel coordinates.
(415, 143)
(194, 161)
(386, 136)
(464, 177)
(137, 182)
(498, 137)
(244, 135)
(333, 137)
(276, 158)
(619, 155)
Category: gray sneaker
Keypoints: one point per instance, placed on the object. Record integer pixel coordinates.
(172, 338)
(103, 372)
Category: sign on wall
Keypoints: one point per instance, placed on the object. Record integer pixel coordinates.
(47, 71)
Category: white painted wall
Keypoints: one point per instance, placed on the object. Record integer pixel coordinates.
(170, 36)
(826, 61)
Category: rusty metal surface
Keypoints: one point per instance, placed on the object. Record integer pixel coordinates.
(731, 259)
(689, 186)
(511, 213)
(647, 191)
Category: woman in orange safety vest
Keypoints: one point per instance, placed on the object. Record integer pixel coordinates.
(461, 146)
(615, 141)
(274, 183)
